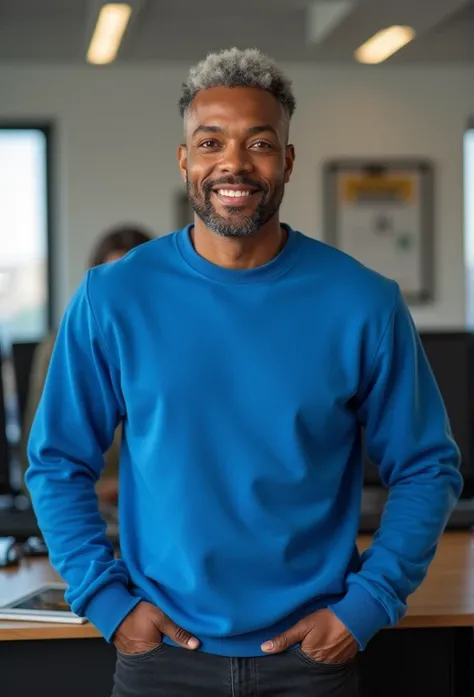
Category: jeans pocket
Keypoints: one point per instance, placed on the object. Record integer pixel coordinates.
(344, 665)
(142, 655)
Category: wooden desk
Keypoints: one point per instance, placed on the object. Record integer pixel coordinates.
(20, 580)
(446, 596)
(437, 630)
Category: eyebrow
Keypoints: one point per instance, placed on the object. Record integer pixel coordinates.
(254, 130)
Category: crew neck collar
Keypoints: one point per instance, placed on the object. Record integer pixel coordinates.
(275, 267)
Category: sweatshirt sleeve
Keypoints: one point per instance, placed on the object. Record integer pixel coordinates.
(408, 436)
(75, 422)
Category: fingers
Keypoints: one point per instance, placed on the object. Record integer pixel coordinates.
(283, 641)
(177, 634)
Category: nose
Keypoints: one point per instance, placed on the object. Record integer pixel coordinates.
(236, 159)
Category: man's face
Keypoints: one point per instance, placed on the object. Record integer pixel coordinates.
(236, 160)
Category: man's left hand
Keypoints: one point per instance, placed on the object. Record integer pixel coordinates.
(322, 637)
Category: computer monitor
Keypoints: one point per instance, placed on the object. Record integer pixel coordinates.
(5, 488)
(451, 356)
(22, 354)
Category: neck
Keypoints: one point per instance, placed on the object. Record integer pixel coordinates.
(239, 252)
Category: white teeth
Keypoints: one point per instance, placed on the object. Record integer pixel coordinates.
(234, 194)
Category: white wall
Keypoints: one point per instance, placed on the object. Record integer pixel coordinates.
(118, 128)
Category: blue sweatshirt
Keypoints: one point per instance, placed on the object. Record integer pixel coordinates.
(242, 395)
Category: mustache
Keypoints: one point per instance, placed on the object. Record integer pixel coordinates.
(233, 181)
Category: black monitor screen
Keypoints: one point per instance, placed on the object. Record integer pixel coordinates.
(451, 357)
(4, 449)
(23, 354)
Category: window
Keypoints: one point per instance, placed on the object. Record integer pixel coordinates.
(469, 223)
(24, 233)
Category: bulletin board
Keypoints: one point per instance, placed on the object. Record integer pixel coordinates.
(381, 213)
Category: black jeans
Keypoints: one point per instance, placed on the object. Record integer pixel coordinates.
(168, 671)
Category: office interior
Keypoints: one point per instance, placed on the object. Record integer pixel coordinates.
(86, 145)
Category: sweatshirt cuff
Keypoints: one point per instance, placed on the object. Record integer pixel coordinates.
(361, 614)
(108, 608)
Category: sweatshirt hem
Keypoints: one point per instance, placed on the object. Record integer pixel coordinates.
(249, 645)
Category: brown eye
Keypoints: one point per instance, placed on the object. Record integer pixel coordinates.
(207, 144)
(262, 145)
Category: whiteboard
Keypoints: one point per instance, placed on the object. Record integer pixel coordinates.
(381, 214)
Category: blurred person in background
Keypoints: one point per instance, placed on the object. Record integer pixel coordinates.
(111, 246)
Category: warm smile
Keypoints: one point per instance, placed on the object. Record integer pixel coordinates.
(235, 197)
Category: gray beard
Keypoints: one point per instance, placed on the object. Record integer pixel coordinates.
(243, 227)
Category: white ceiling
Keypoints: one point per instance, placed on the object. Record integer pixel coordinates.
(45, 31)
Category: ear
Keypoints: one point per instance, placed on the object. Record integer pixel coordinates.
(289, 162)
(183, 161)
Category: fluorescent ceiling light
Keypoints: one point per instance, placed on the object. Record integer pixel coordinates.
(384, 44)
(108, 33)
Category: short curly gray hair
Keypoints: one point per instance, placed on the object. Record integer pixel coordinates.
(238, 68)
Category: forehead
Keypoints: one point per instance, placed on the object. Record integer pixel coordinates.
(234, 106)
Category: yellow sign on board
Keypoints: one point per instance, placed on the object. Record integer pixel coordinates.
(359, 189)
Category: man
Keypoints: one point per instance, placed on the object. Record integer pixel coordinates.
(244, 359)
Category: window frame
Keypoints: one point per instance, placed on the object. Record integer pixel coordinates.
(469, 300)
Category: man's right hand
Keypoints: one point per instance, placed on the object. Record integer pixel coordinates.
(143, 628)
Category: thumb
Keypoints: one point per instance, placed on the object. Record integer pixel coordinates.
(177, 634)
(286, 639)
